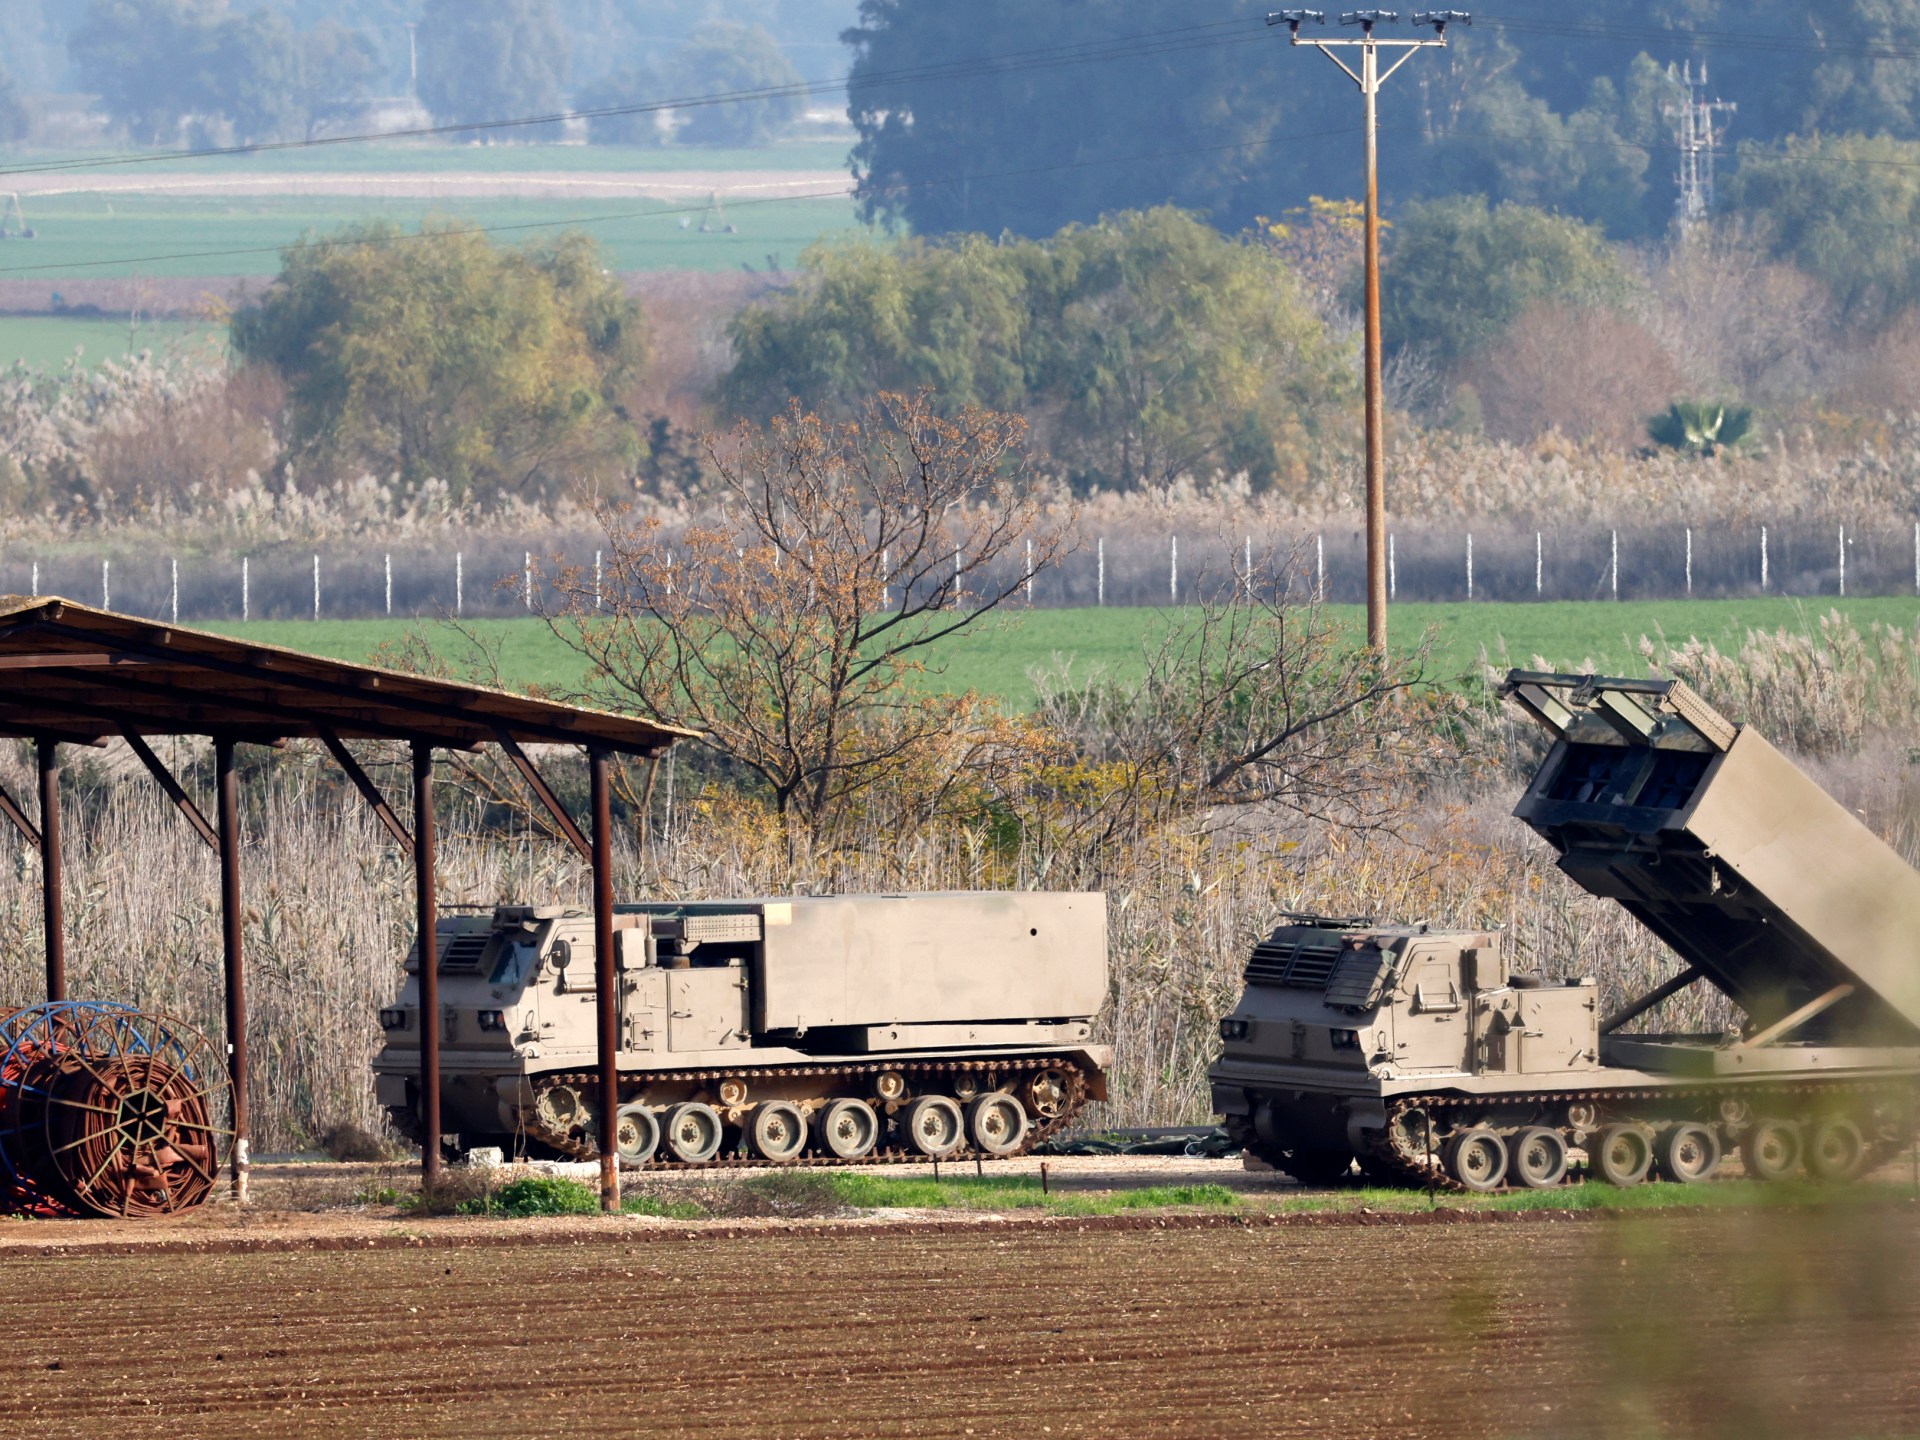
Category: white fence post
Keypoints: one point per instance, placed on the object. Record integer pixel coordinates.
(1100, 557)
(526, 578)
(1763, 557)
(459, 583)
(389, 568)
(316, 587)
(246, 587)
(886, 574)
(1613, 570)
(1393, 569)
(1843, 560)
(174, 595)
(1469, 565)
(1173, 569)
(1319, 568)
(106, 584)
(1248, 564)
(1689, 560)
(596, 580)
(36, 573)
(1539, 573)
(1029, 570)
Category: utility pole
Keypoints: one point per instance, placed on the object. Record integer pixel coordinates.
(1369, 77)
(1699, 139)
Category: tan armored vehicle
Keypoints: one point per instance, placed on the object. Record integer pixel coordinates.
(851, 1028)
(1422, 1055)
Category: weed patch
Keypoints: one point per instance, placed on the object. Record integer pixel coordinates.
(533, 1195)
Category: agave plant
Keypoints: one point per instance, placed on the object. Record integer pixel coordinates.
(1700, 428)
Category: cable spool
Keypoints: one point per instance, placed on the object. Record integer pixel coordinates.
(107, 1110)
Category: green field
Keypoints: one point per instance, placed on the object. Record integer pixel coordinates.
(996, 657)
(97, 237)
(47, 340)
(437, 157)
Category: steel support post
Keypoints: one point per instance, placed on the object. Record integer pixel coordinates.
(606, 997)
(52, 894)
(426, 910)
(231, 919)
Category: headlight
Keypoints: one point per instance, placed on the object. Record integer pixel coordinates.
(393, 1018)
(493, 1020)
(1234, 1028)
(1345, 1039)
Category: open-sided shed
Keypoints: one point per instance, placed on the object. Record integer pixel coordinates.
(71, 674)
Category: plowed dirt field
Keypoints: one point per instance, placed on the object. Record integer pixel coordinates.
(1751, 1324)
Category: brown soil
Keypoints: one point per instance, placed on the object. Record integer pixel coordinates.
(1747, 1323)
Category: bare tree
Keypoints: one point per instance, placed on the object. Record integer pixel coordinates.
(793, 630)
(1255, 697)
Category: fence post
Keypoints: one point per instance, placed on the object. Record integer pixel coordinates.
(1538, 570)
(1173, 569)
(1100, 557)
(1689, 560)
(389, 569)
(1613, 569)
(526, 578)
(1469, 564)
(1843, 560)
(596, 579)
(316, 587)
(459, 583)
(36, 572)
(1249, 569)
(1763, 557)
(886, 573)
(1393, 570)
(246, 588)
(1029, 570)
(174, 595)
(106, 585)
(1319, 568)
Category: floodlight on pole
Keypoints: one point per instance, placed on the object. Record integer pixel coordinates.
(1369, 77)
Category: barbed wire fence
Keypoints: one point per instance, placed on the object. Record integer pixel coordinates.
(498, 578)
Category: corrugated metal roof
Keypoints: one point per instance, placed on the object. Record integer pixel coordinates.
(78, 673)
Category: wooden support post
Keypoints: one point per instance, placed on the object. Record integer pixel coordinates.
(426, 910)
(606, 998)
(369, 791)
(52, 893)
(175, 791)
(1787, 1024)
(231, 919)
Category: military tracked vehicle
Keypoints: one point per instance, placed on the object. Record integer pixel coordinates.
(841, 1029)
(1425, 1057)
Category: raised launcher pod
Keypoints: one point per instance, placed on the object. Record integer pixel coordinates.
(1764, 884)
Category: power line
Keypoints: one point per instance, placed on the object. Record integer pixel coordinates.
(1145, 44)
(1694, 39)
(896, 188)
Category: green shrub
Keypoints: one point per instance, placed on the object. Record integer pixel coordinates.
(534, 1195)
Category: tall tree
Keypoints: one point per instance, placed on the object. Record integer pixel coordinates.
(725, 58)
(13, 114)
(440, 355)
(491, 60)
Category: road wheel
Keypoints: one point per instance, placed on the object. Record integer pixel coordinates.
(1771, 1150)
(847, 1129)
(1317, 1167)
(636, 1134)
(777, 1131)
(933, 1126)
(1835, 1150)
(1689, 1153)
(996, 1124)
(1537, 1158)
(692, 1132)
(1621, 1155)
(1477, 1158)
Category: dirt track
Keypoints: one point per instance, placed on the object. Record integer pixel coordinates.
(1791, 1323)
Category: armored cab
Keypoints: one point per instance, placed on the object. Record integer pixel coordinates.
(1425, 1057)
(778, 1030)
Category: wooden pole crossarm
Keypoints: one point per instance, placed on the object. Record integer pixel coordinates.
(10, 808)
(369, 791)
(175, 791)
(1788, 1023)
(511, 748)
(1636, 1008)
